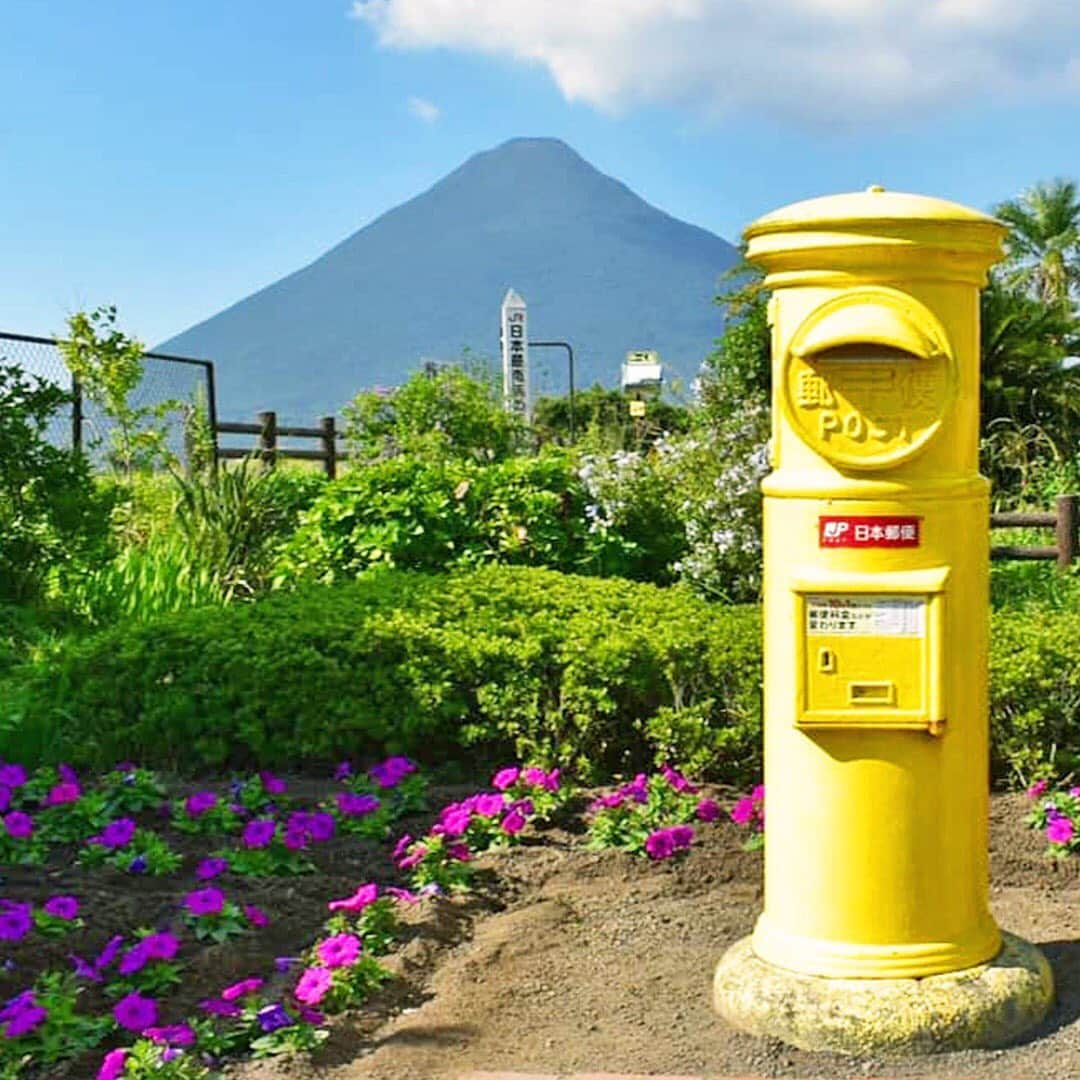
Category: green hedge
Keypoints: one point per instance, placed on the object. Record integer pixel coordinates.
(593, 674)
(601, 675)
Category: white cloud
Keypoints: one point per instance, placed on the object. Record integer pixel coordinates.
(834, 61)
(424, 110)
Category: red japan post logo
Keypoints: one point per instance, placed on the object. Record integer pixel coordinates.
(868, 531)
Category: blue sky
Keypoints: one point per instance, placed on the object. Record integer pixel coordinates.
(173, 158)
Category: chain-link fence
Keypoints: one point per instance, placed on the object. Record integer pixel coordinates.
(165, 378)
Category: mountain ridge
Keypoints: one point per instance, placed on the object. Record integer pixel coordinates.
(597, 265)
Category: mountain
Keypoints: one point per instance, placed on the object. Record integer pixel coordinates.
(598, 267)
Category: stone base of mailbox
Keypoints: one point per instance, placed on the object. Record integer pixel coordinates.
(985, 1006)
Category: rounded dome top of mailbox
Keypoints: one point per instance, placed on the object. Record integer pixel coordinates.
(868, 232)
(874, 204)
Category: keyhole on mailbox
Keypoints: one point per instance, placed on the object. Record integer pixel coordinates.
(826, 661)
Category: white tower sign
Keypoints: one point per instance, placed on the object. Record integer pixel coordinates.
(515, 354)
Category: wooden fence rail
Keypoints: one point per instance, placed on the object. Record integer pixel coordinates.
(269, 431)
(1065, 522)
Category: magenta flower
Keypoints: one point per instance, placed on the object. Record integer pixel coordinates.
(12, 776)
(354, 805)
(403, 895)
(133, 960)
(255, 915)
(682, 836)
(67, 774)
(677, 780)
(490, 805)
(321, 827)
(1060, 831)
(61, 907)
(1037, 789)
(758, 794)
(272, 785)
(108, 954)
(211, 868)
(83, 970)
(19, 826)
(707, 810)
(401, 847)
(659, 845)
(135, 1012)
(364, 895)
(295, 839)
(205, 901)
(241, 989)
(505, 778)
(513, 823)
(196, 805)
(416, 855)
(341, 950)
(310, 1016)
(551, 781)
(15, 920)
(458, 851)
(258, 833)
(116, 834)
(113, 1064)
(455, 819)
(171, 1035)
(312, 986)
(743, 811)
(59, 794)
(5, 798)
(607, 802)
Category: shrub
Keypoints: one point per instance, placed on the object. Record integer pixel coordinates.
(1035, 693)
(432, 514)
(593, 675)
(51, 514)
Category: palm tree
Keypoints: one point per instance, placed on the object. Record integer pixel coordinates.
(1044, 243)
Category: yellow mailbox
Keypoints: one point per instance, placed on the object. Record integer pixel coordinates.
(876, 570)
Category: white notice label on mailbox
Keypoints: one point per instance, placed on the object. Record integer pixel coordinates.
(866, 616)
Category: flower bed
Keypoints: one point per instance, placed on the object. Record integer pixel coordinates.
(160, 932)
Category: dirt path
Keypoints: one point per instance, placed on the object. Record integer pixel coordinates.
(601, 963)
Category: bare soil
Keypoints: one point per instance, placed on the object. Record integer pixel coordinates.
(566, 960)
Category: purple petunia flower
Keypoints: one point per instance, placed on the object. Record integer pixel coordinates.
(354, 805)
(60, 794)
(163, 946)
(391, 772)
(677, 780)
(196, 805)
(272, 785)
(216, 1007)
(255, 915)
(5, 798)
(116, 834)
(258, 833)
(25, 1020)
(310, 1016)
(12, 776)
(513, 823)
(321, 827)
(83, 970)
(707, 810)
(455, 819)
(67, 774)
(133, 960)
(15, 920)
(490, 805)
(682, 836)
(108, 954)
(743, 811)
(402, 894)
(343, 771)
(135, 1012)
(205, 901)
(19, 826)
(61, 907)
(283, 963)
(138, 865)
(659, 845)
(211, 868)
(272, 1017)
(171, 1034)
(295, 839)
